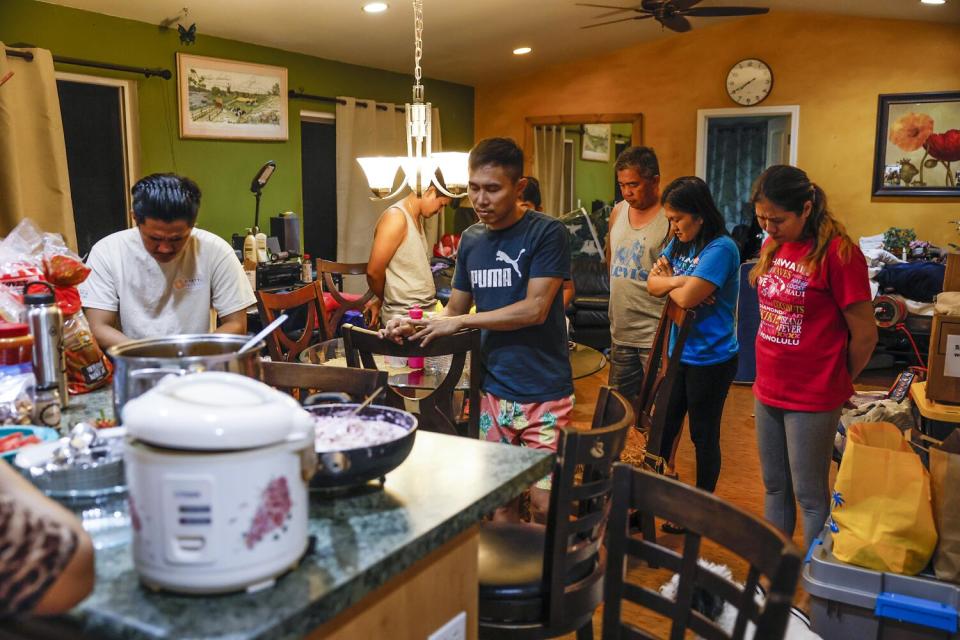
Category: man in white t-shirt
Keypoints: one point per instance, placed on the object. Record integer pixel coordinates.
(163, 276)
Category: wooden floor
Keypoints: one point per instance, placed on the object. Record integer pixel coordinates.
(740, 481)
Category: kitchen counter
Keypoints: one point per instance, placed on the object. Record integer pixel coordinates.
(369, 548)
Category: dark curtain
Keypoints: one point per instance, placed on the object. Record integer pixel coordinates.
(736, 155)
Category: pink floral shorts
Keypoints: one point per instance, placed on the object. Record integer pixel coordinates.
(531, 425)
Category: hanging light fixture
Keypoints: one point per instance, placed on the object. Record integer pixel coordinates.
(420, 165)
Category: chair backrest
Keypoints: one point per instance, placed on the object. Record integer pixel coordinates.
(436, 412)
(768, 552)
(301, 380)
(327, 271)
(280, 345)
(579, 508)
(661, 372)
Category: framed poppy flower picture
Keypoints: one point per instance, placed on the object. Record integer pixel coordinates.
(918, 145)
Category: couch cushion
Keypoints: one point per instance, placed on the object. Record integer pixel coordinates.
(591, 302)
(590, 277)
(591, 318)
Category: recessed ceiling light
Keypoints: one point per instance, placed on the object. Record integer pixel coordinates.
(933, 1)
(375, 7)
(522, 51)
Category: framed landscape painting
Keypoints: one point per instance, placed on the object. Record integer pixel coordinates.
(596, 142)
(918, 145)
(226, 99)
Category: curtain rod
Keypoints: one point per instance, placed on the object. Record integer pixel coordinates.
(162, 73)
(307, 96)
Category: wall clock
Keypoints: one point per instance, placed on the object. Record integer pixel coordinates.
(749, 82)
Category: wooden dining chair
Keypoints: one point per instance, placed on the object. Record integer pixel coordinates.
(303, 380)
(436, 410)
(769, 553)
(328, 272)
(541, 581)
(659, 378)
(283, 344)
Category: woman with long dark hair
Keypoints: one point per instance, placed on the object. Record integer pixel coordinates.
(816, 335)
(699, 268)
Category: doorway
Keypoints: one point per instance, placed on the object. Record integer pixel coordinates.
(734, 146)
(318, 161)
(101, 137)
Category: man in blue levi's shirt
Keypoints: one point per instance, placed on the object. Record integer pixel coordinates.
(512, 265)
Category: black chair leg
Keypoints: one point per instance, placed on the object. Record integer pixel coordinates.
(586, 631)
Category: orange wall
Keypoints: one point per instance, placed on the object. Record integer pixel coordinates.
(832, 66)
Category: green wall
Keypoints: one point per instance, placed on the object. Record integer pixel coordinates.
(223, 169)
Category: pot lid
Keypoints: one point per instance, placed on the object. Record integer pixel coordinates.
(214, 411)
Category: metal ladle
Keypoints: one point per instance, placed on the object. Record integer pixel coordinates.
(267, 330)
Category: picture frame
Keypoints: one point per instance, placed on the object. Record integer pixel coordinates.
(596, 142)
(917, 151)
(231, 100)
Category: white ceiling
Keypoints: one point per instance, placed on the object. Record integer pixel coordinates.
(467, 41)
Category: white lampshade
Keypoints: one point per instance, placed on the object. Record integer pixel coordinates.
(381, 172)
(453, 166)
(419, 168)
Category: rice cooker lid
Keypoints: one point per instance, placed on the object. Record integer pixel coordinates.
(214, 411)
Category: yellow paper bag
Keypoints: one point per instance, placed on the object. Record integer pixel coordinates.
(881, 506)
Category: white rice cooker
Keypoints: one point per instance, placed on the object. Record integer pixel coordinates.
(217, 466)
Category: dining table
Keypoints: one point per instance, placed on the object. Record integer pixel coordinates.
(584, 361)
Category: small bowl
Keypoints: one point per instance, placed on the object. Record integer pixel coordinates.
(45, 434)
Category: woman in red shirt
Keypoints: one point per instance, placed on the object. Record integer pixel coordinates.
(816, 335)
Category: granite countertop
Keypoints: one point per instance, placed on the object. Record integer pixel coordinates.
(362, 541)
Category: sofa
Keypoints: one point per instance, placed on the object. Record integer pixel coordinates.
(588, 311)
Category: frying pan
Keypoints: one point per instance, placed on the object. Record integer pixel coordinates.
(353, 467)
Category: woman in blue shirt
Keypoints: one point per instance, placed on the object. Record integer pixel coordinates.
(699, 268)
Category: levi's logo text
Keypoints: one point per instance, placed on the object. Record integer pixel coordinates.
(497, 277)
(627, 262)
(782, 291)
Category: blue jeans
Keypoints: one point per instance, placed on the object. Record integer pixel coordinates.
(626, 369)
(796, 448)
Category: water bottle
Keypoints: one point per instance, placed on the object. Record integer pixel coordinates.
(415, 362)
(46, 326)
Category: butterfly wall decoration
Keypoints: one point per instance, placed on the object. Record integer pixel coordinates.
(188, 36)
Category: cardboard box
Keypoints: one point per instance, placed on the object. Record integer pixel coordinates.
(951, 279)
(943, 365)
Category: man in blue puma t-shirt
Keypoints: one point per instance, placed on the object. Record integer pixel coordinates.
(512, 265)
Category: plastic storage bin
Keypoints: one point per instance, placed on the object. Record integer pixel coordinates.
(860, 604)
(936, 419)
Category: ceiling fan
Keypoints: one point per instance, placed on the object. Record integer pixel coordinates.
(672, 14)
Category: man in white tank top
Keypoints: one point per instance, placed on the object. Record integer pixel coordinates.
(398, 271)
(638, 232)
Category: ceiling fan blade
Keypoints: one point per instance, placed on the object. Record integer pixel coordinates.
(676, 22)
(716, 12)
(682, 5)
(600, 24)
(651, 5)
(607, 6)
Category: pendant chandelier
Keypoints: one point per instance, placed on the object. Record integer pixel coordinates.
(420, 165)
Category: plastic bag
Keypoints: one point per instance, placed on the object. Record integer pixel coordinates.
(16, 405)
(20, 255)
(61, 266)
(87, 366)
(11, 306)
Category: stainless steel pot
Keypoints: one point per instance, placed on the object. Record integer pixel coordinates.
(139, 364)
